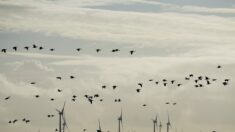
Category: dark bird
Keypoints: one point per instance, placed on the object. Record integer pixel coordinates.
(164, 80)
(208, 82)
(226, 80)
(172, 81)
(218, 66)
(114, 87)
(150, 80)
(4, 50)
(140, 84)
(144, 105)
(52, 49)
(186, 78)
(207, 78)
(156, 83)
(59, 78)
(90, 100)
(37, 96)
(167, 102)
(72, 77)
(74, 96)
(78, 49)
(15, 121)
(14, 48)
(190, 75)
(7, 97)
(24, 119)
(96, 95)
(225, 83)
(101, 100)
(200, 85)
(164, 84)
(56, 129)
(9, 122)
(52, 99)
(27, 121)
(59, 90)
(98, 50)
(200, 78)
(26, 48)
(132, 52)
(214, 79)
(195, 81)
(73, 99)
(40, 48)
(174, 103)
(137, 90)
(179, 85)
(104, 86)
(33, 83)
(34, 46)
(196, 86)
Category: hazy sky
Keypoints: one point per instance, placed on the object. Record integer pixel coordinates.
(172, 39)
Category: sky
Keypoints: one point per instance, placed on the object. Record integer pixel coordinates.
(171, 40)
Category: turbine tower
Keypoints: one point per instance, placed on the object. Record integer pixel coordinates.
(99, 130)
(160, 126)
(154, 124)
(120, 122)
(168, 124)
(62, 117)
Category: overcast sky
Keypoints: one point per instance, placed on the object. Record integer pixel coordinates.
(172, 39)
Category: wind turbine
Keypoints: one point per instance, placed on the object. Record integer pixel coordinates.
(168, 124)
(120, 122)
(99, 130)
(160, 126)
(154, 124)
(62, 117)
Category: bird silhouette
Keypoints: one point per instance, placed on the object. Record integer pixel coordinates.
(167, 103)
(7, 97)
(14, 48)
(98, 50)
(72, 77)
(33, 83)
(37, 96)
(52, 49)
(132, 52)
(59, 90)
(59, 78)
(144, 105)
(219, 66)
(190, 75)
(26, 48)
(140, 84)
(41, 48)
(156, 83)
(104, 86)
(4, 50)
(164, 84)
(114, 87)
(78, 49)
(174, 103)
(138, 90)
(225, 83)
(179, 84)
(52, 99)
(172, 81)
(34, 46)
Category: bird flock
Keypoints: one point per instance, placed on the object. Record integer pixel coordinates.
(197, 81)
(34, 46)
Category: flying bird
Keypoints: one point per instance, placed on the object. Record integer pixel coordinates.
(132, 52)
(59, 90)
(137, 90)
(37, 96)
(4, 50)
(52, 49)
(59, 78)
(34, 46)
(72, 77)
(40, 48)
(140, 84)
(78, 49)
(14, 48)
(98, 50)
(26, 48)
(7, 97)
